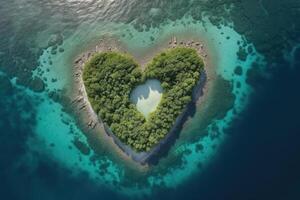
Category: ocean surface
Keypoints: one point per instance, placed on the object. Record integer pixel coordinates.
(242, 141)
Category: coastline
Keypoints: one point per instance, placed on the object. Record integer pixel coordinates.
(93, 125)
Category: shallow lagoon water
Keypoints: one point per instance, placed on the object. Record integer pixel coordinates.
(54, 129)
(224, 61)
(147, 96)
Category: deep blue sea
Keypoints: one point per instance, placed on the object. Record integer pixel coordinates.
(242, 141)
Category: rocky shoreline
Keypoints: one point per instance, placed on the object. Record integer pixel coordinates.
(93, 123)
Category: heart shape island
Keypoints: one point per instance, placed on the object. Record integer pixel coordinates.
(111, 77)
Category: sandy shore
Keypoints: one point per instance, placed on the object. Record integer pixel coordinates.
(93, 126)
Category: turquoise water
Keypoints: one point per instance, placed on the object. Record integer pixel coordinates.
(147, 96)
(54, 128)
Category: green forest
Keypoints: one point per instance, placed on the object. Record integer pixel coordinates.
(110, 77)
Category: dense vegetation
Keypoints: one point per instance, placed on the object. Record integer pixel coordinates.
(109, 78)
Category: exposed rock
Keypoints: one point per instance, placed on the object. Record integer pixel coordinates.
(78, 60)
(91, 124)
(78, 99)
(82, 107)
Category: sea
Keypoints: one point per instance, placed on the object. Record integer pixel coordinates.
(242, 142)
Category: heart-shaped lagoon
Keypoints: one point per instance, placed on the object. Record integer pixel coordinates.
(147, 96)
(141, 115)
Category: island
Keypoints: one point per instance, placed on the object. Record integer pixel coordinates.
(106, 79)
(109, 78)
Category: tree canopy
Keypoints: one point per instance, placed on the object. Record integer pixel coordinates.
(110, 77)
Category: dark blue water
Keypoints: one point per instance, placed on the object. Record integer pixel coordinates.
(261, 161)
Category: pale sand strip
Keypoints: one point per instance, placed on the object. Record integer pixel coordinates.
(91, 124)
